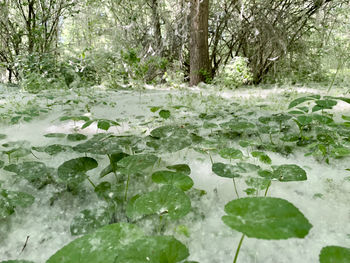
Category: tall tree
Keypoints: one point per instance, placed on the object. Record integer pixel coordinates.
(200, 69)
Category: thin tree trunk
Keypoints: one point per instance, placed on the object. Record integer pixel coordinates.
(199, 52)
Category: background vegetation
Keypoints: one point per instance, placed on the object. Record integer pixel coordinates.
(117, 43)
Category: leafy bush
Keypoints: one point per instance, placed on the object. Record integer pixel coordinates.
(235, 74)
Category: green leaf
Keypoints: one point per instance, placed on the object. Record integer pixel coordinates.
(226, 170)
(230, 153)
(154, 109)
(101, 143)
(340, 152)
(9, 200)
(87, 124)
(263, 157)
(326, 104)
(75, 170)
(113, 166)
(98, 247)
(168, 200)
(153, 249)
(1, 164)
(89, 220)
(289, 172)
(301, 100)
(335, 254)
(258, 183)
(37, 173)
(180, 168)
(165, 114)
(266, 218)
(55, 135)
(304, 120)
(134, 164)
(103, 125)
(177, 179)
(74, 137)
(169, 138)
(3, 136)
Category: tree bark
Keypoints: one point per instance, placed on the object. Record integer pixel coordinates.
(199, 53)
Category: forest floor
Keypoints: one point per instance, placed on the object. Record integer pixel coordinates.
(243, 119)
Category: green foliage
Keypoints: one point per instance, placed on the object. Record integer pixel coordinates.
(334, 254)
(266, 218)
(235, 74)
(10, 200)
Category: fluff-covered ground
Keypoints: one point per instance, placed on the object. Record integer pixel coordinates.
(324, 198)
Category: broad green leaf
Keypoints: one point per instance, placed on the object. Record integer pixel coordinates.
(74, 118)
(134, 164)
(3, 136)
(53, 149)
(75, 137)
(326, 104)
(266, 218)
(75, 170)
(263, 157)
(335, 254)
(322, 119)
(209, 125)
(177, 179)
(248, 167)
(239, 126)
(55, 135)
(1, 164)
(289, 172)
(89, 220)
(153, 249)
(180, 168)
(102, 144)
(165, 114)
(98, 247)
(301, 100)
(37, 173)
(169, 138)
(168, 200)
(103, 125)
(227, 170)
(304, 120)
(230, 153)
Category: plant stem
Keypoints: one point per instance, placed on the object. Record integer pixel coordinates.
(234, 184)
(211, 159)
(238, 249)
(113, 165)
(267, 189)
(91, 182)
(126, 187)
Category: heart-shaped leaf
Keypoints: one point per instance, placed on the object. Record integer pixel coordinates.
(167, 200)
(227, 170)
(134, 164)
(153, 249)
(98, 247)
(180, 168)
(289, 172)
(230, 153)
(75, 170)
(37, 173)
(177, 179)
(266, 218)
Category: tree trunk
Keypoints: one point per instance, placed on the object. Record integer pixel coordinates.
(157, 27)
(199, 52)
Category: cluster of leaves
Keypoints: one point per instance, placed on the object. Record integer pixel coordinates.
(142, 187)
